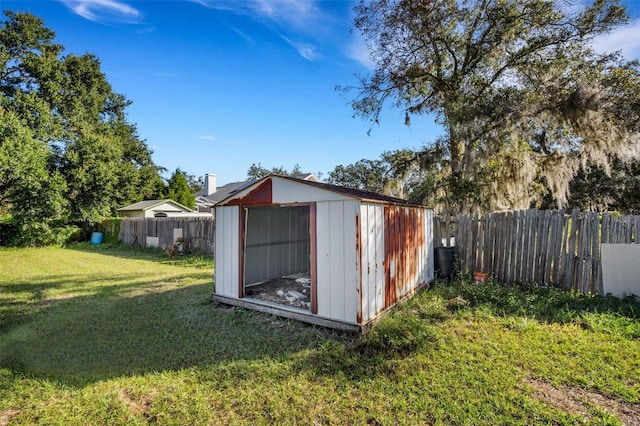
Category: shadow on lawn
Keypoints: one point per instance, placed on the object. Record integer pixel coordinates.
(154, 254)
(92, 338)
(136, 326)
(133, 329)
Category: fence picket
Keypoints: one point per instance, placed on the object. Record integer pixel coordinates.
(545, 247)
(596, 270)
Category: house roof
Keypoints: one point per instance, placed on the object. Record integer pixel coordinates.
(150, 204)
(227, 190)
(349, 192)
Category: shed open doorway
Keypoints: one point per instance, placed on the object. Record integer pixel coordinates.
(277, 250)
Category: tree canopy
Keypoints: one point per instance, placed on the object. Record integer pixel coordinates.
(523, 97)
(178, 189)
(79, 158)
(257, 171)
(396, 173)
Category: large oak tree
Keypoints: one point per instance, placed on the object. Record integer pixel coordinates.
(81, 158)
(524, 98)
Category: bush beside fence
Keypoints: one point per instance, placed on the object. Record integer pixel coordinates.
(197, 233)
(546, 247)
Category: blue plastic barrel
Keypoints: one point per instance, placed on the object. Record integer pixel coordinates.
(96, 238)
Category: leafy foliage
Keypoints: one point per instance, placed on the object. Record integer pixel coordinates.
(618, 190)
(524, 99)
(394, 173)
(195, 183)
(257, 171)
(69, 155)
(178, 189)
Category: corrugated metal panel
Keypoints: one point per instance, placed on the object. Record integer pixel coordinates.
(407, 250)
(427, 255)
(358, 194)
(295, 191)
(338, 260)
(372, 258)
(227, 251)
(260, 195)
(277, 242)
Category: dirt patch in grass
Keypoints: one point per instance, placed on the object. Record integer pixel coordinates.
(138, 404)
(7, 415)
(577, 400)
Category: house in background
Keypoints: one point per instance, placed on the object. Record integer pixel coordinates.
(154, 208)
(210, 195)
(319, 253)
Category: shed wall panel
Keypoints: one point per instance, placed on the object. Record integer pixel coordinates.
(227, 251)
(427, 254)
(408, 247)
(372, 259)
(285, 191)
(337, 253)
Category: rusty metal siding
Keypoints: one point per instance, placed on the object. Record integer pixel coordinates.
(407, 251)
(338, 261)
(227, 251)
(260, 195)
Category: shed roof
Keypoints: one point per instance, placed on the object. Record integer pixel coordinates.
(358, 193)
(349, 192)
(223, 192)
(149, 204)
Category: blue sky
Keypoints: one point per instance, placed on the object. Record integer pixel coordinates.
(219, 85)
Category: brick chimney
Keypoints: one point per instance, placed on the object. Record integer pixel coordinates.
(209, 184)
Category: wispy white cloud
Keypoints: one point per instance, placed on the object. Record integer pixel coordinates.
(207, 138)
(625, 39)
(300, 20)
(307, 50)
(297, 13)
(104, 10)
(242, 34)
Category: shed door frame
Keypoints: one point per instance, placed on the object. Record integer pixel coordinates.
(313, 264)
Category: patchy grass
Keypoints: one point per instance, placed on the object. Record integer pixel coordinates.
(99, 335)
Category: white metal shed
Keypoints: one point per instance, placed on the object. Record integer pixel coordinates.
(350, 254)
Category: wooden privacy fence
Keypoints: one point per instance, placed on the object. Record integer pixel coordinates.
(196, 232)
(544, 247)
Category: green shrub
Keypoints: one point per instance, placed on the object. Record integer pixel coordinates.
(111, 229)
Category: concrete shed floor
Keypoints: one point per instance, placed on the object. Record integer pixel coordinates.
(292, 290)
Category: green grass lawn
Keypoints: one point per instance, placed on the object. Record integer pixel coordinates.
(97, 336)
